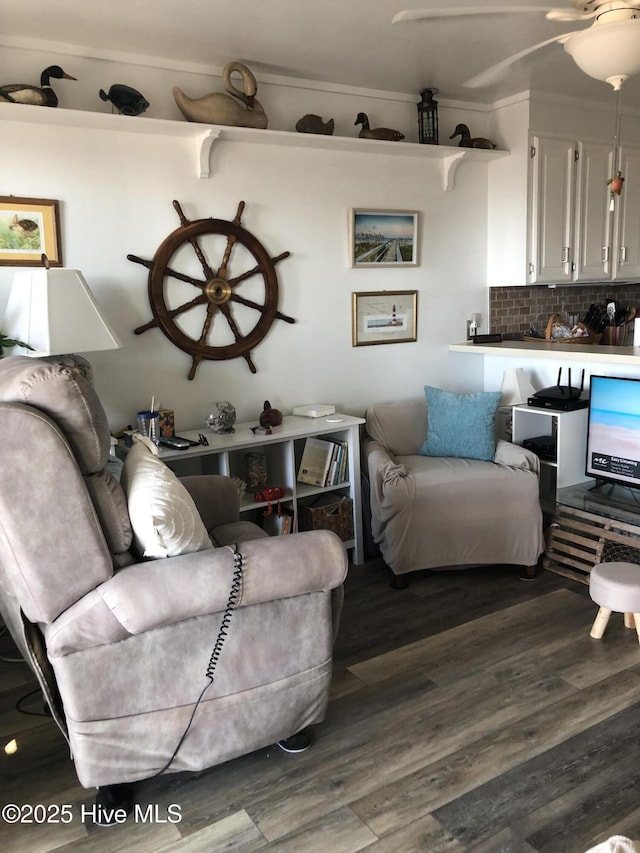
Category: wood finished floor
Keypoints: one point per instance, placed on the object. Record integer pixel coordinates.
(471, 712)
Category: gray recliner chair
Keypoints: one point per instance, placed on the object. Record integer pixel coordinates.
(122, 646)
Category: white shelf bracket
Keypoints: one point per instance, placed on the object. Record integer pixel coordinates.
(449, 166)
(204, 144)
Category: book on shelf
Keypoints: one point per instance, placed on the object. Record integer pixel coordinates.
(324, 462)
(315, 462)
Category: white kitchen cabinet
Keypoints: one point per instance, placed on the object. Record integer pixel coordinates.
(591, 251)
(626, 238)
(569, 429)
(574, 236)
(552, 206)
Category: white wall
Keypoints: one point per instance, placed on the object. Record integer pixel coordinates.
(116, 191)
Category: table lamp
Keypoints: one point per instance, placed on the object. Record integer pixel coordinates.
(55, 312)
(516, 387)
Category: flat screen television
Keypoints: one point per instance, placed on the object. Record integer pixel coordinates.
(613, 436)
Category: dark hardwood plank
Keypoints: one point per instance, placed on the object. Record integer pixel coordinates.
(470, 712)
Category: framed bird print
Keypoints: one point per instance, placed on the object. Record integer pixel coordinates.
(384, 317)
(383, 238)
(29, 229)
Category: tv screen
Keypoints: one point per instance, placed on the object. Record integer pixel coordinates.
(613, 433)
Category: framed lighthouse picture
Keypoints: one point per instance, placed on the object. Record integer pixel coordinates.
(384, 317)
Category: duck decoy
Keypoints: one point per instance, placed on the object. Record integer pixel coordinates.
(376, 132)
(311, 123)
(40, 96)
(468, 141)
(126, 100)
(218, 108)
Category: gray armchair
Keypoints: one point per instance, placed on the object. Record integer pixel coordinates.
(120, 645)
(440, 512)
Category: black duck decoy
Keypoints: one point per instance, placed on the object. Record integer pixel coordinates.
(376, 132)
(468, 141)
(40, 96)
(311, 123)
(126, 100)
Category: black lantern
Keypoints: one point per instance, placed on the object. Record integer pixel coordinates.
(428, 117)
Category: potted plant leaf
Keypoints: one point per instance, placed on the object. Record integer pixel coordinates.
(6, 343)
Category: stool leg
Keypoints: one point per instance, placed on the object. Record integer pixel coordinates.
(636, 616)
(600, 623)
(629, 621)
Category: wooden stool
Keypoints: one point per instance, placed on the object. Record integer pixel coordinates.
(615, 587)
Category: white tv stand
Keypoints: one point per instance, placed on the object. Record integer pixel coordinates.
(570, 431)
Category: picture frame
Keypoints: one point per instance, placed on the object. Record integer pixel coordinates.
(29, 229)
(384, 317)
(383, 238)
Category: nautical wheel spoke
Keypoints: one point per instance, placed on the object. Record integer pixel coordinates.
(174, 312)
(211, 311)
(206, 269)
(226, 310)
(251, 304)
(234, 282)
(222, 272)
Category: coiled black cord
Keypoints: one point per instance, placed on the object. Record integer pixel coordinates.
(234, 599)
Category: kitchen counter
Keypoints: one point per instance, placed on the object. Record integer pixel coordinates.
(545, 350)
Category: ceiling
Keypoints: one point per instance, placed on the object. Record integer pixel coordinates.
(349, 42)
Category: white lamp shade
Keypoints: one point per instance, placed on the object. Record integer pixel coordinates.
(55, 312)
(516, 387)
(608, 51)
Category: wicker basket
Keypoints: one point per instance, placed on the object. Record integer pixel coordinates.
(329, 512)
(590, 338)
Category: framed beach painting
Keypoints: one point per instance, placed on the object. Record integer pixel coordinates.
(383, 238)
(384, 317)
(29, 229)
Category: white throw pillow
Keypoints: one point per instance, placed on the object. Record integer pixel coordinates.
(163, 516)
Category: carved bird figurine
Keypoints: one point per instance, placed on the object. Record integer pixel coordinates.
(468, 141)
(311, 123)
(40, 96)
(218, 108)
(128, 101)
(376, 132)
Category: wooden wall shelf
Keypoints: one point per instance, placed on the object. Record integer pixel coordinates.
(204, 136)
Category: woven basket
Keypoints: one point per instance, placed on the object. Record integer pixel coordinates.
(591, 338)
(329, 512)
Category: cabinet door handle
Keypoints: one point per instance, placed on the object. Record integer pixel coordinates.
(622, 254)
(565, 254)
(605, 254)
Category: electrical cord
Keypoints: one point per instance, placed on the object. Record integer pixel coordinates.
(24, 698)
(232, 602)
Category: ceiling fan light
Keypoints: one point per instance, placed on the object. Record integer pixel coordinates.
(607, 52)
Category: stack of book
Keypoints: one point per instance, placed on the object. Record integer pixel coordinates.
(324, 462)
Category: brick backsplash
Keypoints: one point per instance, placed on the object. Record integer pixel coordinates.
(512, 310)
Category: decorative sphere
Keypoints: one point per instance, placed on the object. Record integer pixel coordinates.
(221, 417)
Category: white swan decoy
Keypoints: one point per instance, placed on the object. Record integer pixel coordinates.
(218, 108)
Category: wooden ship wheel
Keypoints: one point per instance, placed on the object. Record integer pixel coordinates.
(217, 291)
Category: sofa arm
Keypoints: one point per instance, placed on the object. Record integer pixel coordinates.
(163, 592)
(216, 498)
(515, 456)
(388, 478)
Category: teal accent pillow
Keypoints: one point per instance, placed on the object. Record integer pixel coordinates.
(460, 425)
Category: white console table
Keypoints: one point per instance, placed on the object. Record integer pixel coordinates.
(226, 454)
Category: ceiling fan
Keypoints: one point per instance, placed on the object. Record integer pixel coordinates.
(608, 50)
